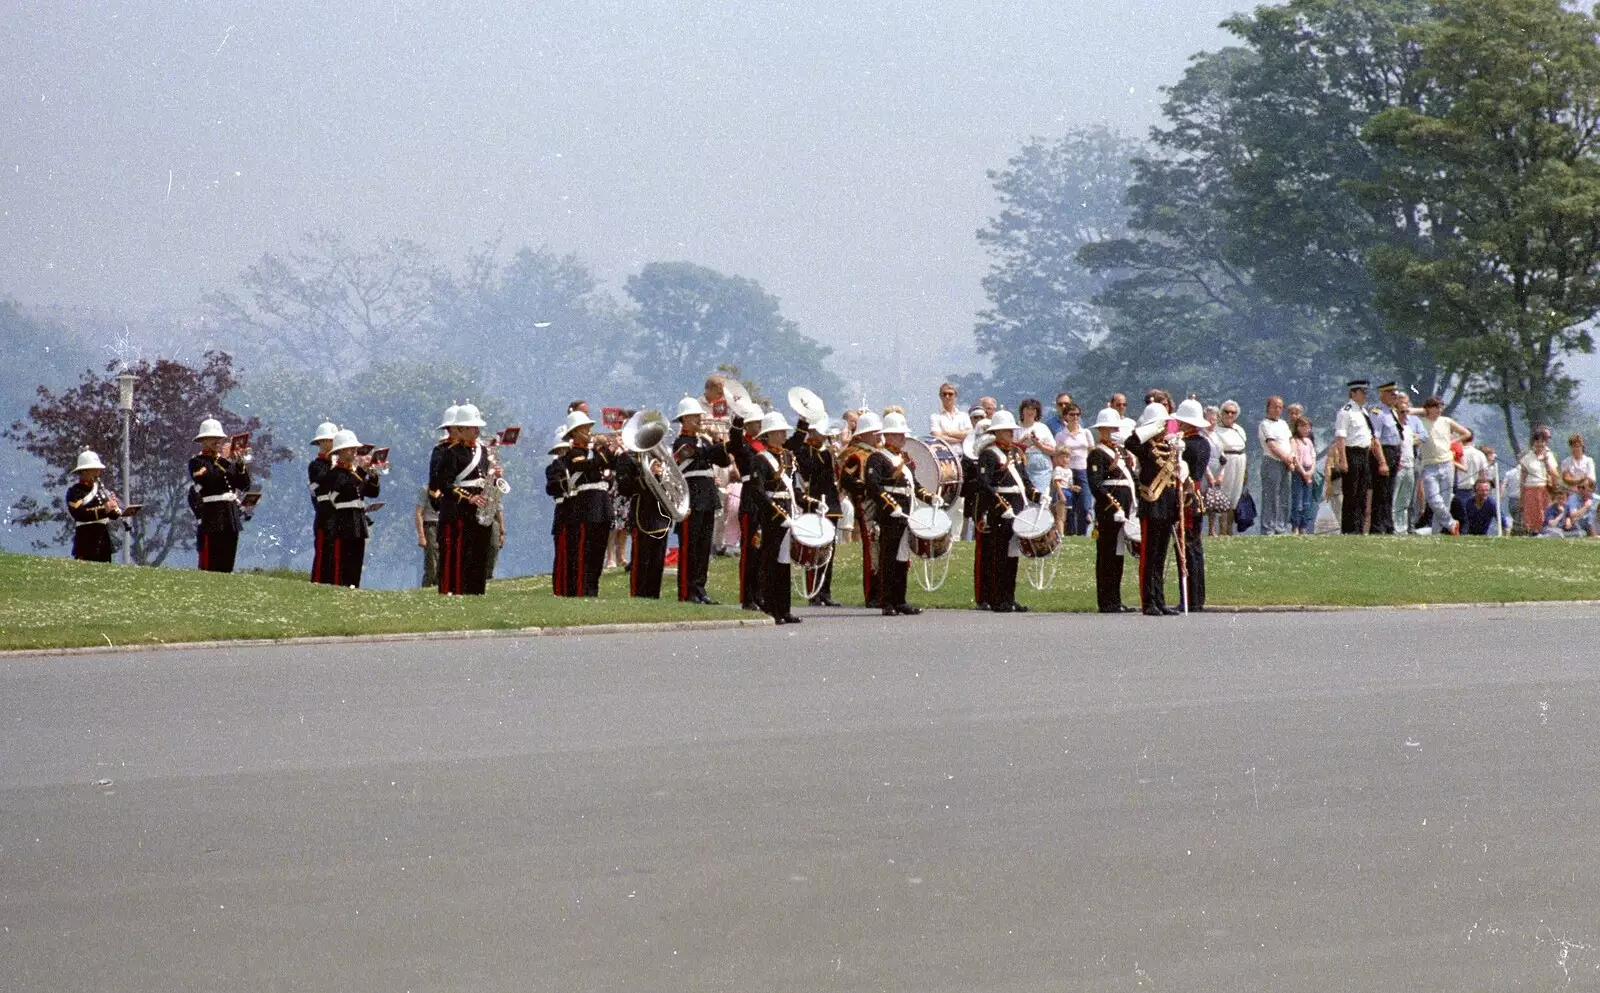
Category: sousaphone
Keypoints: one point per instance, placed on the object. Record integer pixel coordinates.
(809, 406)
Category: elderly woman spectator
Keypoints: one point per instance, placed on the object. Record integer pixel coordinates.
(1073, 442)
(1539, 473)
(1577, 465)
(1037, 444)
(1211, 496)
(1232, 444)
(949, 424)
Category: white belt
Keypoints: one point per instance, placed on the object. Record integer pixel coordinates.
(228, 497)
(902, 490)
(778, 494)
(324, 497)
(593, 486)
(699, 473)
(102, 521)
(475, 483)
(1008, 489)
(350, 505)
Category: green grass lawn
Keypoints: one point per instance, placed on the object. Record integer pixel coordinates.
(51, 602)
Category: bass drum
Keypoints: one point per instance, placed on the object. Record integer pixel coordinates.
(937, 465)
(928, 533)
(1035, 528)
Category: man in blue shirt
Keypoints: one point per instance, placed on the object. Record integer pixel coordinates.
(1479, 511)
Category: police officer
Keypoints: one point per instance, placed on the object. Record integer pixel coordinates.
(1195, 451)
(589, 465)
(215, 482)
(817, 488)
(1112, 474)
(316, 470)
(92, 508)
(699, 459)
(1158, 505)
(772, 472)
(1388, 433)
(890, 487)
(558, 486)
(1353, 452)
(744, 445)
(456, 479)
(853, 481)
(1003, 490)
(350, 481)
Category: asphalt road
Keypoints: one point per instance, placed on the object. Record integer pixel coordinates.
(957, 802)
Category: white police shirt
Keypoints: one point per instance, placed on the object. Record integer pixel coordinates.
(1352, 425)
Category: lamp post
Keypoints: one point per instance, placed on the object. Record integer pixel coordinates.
(125, 383)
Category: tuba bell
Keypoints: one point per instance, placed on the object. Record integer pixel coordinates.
(645, 435)
(808, 406)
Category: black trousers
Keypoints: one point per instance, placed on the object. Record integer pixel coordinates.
(871, 568)
(591, 555)
(463, 557)
(1192, 592)
(892, 573)
(1000, 569)
(694, 554)
(558, 560)
(649, 554)
(1383, 492)
(216, 550)
(1107, 568)
(1357, 482)
(92, 542)
(345, 557)
(980, 568)
(776, 595)
(572, 558)
(1157, 540)
(321, 554)
(749, 561)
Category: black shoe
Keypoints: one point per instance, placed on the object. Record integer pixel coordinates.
(981, 606)
(1171, 611)
(874, 604)
(1154, 612)
(908, 610)
(1197, 610)
(1018, 608)
(706, 601)
(749, 606)
(791, 619)
(1125, 609)
(1112, 610)
(1002, 608)
(829, 602)
(890, 612)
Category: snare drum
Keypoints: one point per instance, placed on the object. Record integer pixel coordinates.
(928, 533)
(1035, 528)
(811, 543)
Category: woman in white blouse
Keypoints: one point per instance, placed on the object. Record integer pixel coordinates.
(1231, 441)
(1038, 446)
(1577, 466)
(1538, 470)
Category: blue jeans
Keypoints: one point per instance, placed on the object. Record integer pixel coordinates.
(1275, 495)
(1302, 505)
(1438, 486)
(1079, 504)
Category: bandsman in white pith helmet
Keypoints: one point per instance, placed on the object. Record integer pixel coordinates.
(588, 466)
(1004, 490)
(853, 481)
(1158, 504)
(744, 446)
(890, 488)
(316, 473)
(558, 486)
(772, 476)
(215, 482)
(817, 490)
(1194, 451)
(350, 483)
(457, 475)
(699, 458)
(93, 508)
(1113, 475)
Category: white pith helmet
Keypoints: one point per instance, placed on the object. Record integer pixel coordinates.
(688, 406)
(1003, 420)
(452, 415)
(869, 423)
(1192, 413)
(88, 460)
(750, 411)
(210, 428)
(343, 439)
(895, 423)
(775, 421)
(1108, 418)
(561, 443)
(575, 420)
(325, 432)
(1154, 413)
(469, 417)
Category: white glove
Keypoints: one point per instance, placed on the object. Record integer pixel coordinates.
(787, 523)
(1008, 515)
(938, 502)
(898, 515)
(1120, 518)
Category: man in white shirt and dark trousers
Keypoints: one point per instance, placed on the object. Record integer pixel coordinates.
(1277, 461)
(1353, 452)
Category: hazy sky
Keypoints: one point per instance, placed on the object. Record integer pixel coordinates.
(834, 151)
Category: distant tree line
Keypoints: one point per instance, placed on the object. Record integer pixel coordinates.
(1384, 187)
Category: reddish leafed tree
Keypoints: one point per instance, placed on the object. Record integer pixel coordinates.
(170, 401)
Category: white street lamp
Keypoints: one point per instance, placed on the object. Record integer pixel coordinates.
(125, 383)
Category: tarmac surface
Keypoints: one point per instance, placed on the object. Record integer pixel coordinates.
(956, 802)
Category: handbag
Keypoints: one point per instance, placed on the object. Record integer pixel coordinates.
(1216, 500)
(1244, 515)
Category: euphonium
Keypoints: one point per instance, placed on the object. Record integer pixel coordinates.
(645, 435)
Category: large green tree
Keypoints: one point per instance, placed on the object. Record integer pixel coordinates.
(1504, 155)
(1055, 197)
(692, 319)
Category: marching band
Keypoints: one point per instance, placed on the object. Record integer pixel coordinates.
(798, 486)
